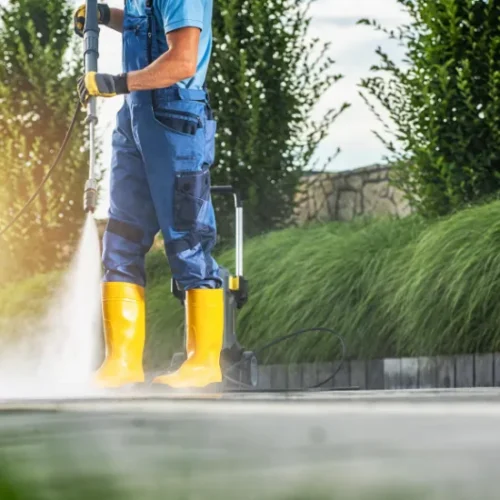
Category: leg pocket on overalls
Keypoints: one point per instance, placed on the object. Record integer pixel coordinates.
(191, 192)
(180, 122)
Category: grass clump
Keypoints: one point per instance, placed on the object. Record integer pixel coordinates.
(448, 301)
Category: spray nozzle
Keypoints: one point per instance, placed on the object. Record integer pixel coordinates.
(90, 196)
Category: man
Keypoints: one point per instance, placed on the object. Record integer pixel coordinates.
(163, 147)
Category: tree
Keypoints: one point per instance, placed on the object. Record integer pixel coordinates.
(38, 73)
(266, 77)
(443, 132)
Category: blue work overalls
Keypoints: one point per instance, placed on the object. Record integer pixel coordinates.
(162, 151)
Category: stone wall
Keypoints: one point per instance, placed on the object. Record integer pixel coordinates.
(345, 195)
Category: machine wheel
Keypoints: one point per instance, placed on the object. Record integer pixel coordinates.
(240, 367)
(250, 368)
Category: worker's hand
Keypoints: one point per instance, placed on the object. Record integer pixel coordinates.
(101, 85)
(103, 17)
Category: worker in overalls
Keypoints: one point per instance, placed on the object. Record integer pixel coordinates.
(162, 151)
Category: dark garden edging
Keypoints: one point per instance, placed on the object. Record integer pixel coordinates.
(480, 370)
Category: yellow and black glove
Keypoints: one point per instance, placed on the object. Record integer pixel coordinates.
(101, 85)
(103, 17)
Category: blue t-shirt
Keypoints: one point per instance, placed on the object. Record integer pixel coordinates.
(175, 14)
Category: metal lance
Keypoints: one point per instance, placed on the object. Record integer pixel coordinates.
(91, 55)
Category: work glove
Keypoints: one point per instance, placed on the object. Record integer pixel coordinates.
(101, 85)
(103, 17)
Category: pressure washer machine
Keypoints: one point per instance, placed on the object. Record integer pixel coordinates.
(239, 367)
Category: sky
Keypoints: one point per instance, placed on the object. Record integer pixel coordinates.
(353, 49)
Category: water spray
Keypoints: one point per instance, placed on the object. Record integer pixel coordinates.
(59, 361)
(91, 56)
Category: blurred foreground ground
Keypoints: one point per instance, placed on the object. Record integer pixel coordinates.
(403, 445)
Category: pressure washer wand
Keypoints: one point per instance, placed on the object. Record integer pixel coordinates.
(91, 55)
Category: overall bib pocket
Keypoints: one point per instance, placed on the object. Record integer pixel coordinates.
(191, 192)
(135, 53)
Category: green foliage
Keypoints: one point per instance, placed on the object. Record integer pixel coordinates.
(449, 304)
(37, 101)
(405, 287)
(265, 78)
(443, 103)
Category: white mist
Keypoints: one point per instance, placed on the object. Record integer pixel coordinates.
(56, 357)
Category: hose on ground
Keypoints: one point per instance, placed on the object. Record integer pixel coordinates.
(284, 338)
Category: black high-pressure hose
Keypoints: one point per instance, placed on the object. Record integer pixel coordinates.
(47, 175)
(304, 331)
(283, 338)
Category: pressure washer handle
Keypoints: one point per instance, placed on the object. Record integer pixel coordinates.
(91, 35)
(238, 205)
(91, 56)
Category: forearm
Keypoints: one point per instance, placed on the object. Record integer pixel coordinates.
(116, 20)
(167, 70)
(177, 64)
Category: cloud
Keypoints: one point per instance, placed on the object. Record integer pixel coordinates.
(384, 10)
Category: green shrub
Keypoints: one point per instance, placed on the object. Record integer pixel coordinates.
(443, 103)
(448, 301)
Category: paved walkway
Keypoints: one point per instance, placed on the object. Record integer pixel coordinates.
(419, 444)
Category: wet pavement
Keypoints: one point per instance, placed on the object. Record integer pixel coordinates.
(401, 444)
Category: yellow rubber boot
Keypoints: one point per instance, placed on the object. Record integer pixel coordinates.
(123, 311)
(204, 339)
